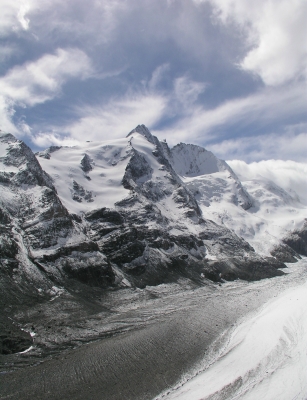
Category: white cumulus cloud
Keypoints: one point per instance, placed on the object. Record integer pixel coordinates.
(275, 31)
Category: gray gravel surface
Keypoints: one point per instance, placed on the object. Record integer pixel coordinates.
(146, 340)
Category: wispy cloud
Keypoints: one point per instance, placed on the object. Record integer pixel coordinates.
(117, 117)
(36, 82)
(9, 20)
(288, 145)
(41, 80)
(48, 16)
(157, 77)
(268, 105)
(146, 103)
(186, 91)
(46, 139)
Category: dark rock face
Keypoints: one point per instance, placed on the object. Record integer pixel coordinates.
(8, 246)
(285, 253)
(297, 240)
(46, 153)
(79, 193)
(104, 215)
(153, 256)
(249, 270)
(40, 242)
(40, 223)
(292, 246)
(13, 339)
(19, 155)
(89, 268)
(137, 168)
(86, 163)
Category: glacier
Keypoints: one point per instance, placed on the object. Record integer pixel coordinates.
(263, 357)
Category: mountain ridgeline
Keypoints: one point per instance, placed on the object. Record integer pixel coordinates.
(118, 214)
(79, 222)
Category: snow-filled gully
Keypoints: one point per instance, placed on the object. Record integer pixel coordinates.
(263, 357)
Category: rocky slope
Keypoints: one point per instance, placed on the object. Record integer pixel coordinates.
(292, 245)
(117, 214)
(273, 216)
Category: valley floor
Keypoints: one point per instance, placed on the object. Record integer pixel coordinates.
(168, 335)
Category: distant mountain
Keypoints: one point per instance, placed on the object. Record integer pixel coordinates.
(271, 218)
(191, 161)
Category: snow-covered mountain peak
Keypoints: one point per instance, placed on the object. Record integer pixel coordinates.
(192, 160)
(7, 137)
(144, 131)
(199, 168)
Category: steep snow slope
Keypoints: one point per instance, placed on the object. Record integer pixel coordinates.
(272, 212)
(191, 161)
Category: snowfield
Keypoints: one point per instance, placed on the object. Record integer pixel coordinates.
(100, 184)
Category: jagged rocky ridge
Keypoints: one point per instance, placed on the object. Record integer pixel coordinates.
(116, 214)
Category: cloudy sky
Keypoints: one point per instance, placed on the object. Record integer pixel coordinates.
(226, 74)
